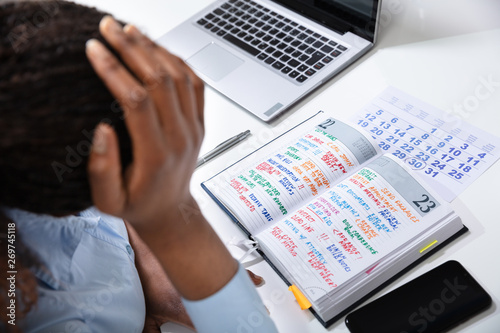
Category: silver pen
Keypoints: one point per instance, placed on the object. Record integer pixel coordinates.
(222, 147)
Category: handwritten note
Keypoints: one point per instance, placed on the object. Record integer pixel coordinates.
(303, 168)
(449, 152)
(349, 228)
(324, 206)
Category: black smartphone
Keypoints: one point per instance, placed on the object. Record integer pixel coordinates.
(433, 302)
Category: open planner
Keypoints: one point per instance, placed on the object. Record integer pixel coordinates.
(333, 215)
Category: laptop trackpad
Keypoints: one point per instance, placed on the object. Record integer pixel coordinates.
(214, 61)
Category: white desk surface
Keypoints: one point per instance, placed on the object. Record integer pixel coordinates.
(437, 51)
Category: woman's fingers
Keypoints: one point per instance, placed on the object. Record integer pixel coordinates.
(105, 173)
(196, 99)
(156, 77)
(140, 113)
(176, 91)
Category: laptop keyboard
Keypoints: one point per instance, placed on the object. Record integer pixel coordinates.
(287, 47)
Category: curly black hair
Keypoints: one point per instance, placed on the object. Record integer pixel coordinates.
(51, 100)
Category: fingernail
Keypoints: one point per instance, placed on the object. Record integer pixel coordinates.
(94, 47)
(130, 29)
(99, 144)
(108, 22)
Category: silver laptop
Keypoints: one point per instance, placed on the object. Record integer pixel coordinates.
(266, 55)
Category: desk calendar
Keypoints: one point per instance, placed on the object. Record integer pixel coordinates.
(446, 150)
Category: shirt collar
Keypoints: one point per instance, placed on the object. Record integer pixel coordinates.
(53, 238)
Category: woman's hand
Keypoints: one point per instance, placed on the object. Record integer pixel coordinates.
(162, 100)
(163, 104)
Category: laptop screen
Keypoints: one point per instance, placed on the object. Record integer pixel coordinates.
(356, 16)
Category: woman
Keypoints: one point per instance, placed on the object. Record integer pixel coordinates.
(87, 267)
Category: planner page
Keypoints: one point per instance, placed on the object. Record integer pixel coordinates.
(275, 180)
(351, 227)
(444, 149)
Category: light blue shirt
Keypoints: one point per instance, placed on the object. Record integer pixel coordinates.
(235, 308)
(88, 281)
